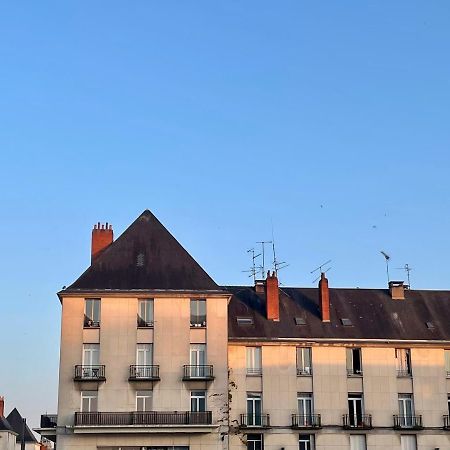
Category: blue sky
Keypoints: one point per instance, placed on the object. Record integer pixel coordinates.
(329, 119)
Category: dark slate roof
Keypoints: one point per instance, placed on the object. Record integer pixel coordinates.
(15, 420)
(5, 425)
(373, 314)
(145, 256)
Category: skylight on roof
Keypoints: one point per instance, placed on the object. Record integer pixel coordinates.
(245, 320)
(299, 321)
(346, 322)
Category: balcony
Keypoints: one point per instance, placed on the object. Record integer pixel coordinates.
(198, 373)
(89, 373)
(354, 373)
(304, 371)
(308, 421)
(144, 373)
(446, 422)
(254, 371)
(144, 418)
(404, 373)
(48, 420)
(255, 421)
(408, 423)
(358, 421)
(90, 323)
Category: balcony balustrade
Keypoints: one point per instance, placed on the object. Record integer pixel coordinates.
(198, 373)
(89, 373)
(144, 373)
(255, 420)
(306, 421)
(357, 421)
(408, 422)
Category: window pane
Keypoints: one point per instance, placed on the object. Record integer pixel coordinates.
(198, 312)
(357, 442)
(408, 442)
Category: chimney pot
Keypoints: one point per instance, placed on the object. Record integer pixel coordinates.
(2, 406)
(101, 238)
(397, 290)
(324, 298)
(272, 297)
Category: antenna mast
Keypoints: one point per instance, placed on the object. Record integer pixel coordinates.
(262, 267)
(276, 264)
(407, 269)
(320, 269)
(253, 270)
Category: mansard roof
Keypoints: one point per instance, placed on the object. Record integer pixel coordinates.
(5, 425)
(145, 257)
(372, 314)
(15, 420)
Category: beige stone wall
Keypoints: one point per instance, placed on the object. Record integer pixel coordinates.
(118, 336)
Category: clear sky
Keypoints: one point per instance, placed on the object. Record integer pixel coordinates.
(328, 118)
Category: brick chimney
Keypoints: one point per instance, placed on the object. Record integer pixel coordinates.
(2, 406)
(102, 237)
(397, 290)
(272, 297)
(324, 298)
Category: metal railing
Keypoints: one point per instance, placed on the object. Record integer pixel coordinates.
(48, 420)
(304, 371)
(361, 421)
(193, 372)
(144, 373)
(143, 418)
(306, 421)
(411, 422)
(446, 422)
(89, 323)
(255, 420)
(354, 372)
(257, 371)
(141, 323)
(404, 373)
(89, 373)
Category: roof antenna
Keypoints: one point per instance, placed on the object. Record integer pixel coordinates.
(277, 265)
(387, 258)
(320, 269)
(407, 269)
(253, 270)
(263, 269)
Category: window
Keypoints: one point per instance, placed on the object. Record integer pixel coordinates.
(244, 320)
(306, 442)
(403, 360)
(304, 366)
(89, 401)
(447, 362)
(254, 409)
(144, 355)
(91, 361)
(145, 313)
(143, 400)
(354, 365)
(357, 442)
(254, 442)
(198, 401)
(448, 404)
(254, 366)
(405, 410)
(355, 410)
(198, 313)
(408, 442)
(197, 368)
(305, 409)
(92, 312)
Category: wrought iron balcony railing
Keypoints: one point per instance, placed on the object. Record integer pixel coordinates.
(404, 373)
(193, 372)
(358, 421)
(446, 422)
(255, 420)
(48, 420)
(256, 371)
(306, 421)
(304, 371)
(408, 422)
(144, 373)
(354, 372)
(90, 323)
(143, 418)
(89, 373)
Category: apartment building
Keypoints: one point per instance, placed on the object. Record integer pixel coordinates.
(156, 356)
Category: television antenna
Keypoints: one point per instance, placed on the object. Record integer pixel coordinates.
(407, 269)
(262, 266)
(320, 269)
(277, 265)
(253, 270)
(387, 258)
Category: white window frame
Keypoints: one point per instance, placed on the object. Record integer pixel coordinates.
(352, 363)
(90, 312)
(358, 442)
(253, 417)
(447, 362)
(146, 312)
(197, 397)
(306, 442)
(146, 397)
(194, 318)
(405, 420)
(405, 445)
(305, 403)
(353, 401)
(403, 362)
(252, 443)
(254, 360)
(89, 396)
(304, 361)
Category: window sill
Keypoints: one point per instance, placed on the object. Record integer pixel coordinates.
(304, 374)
